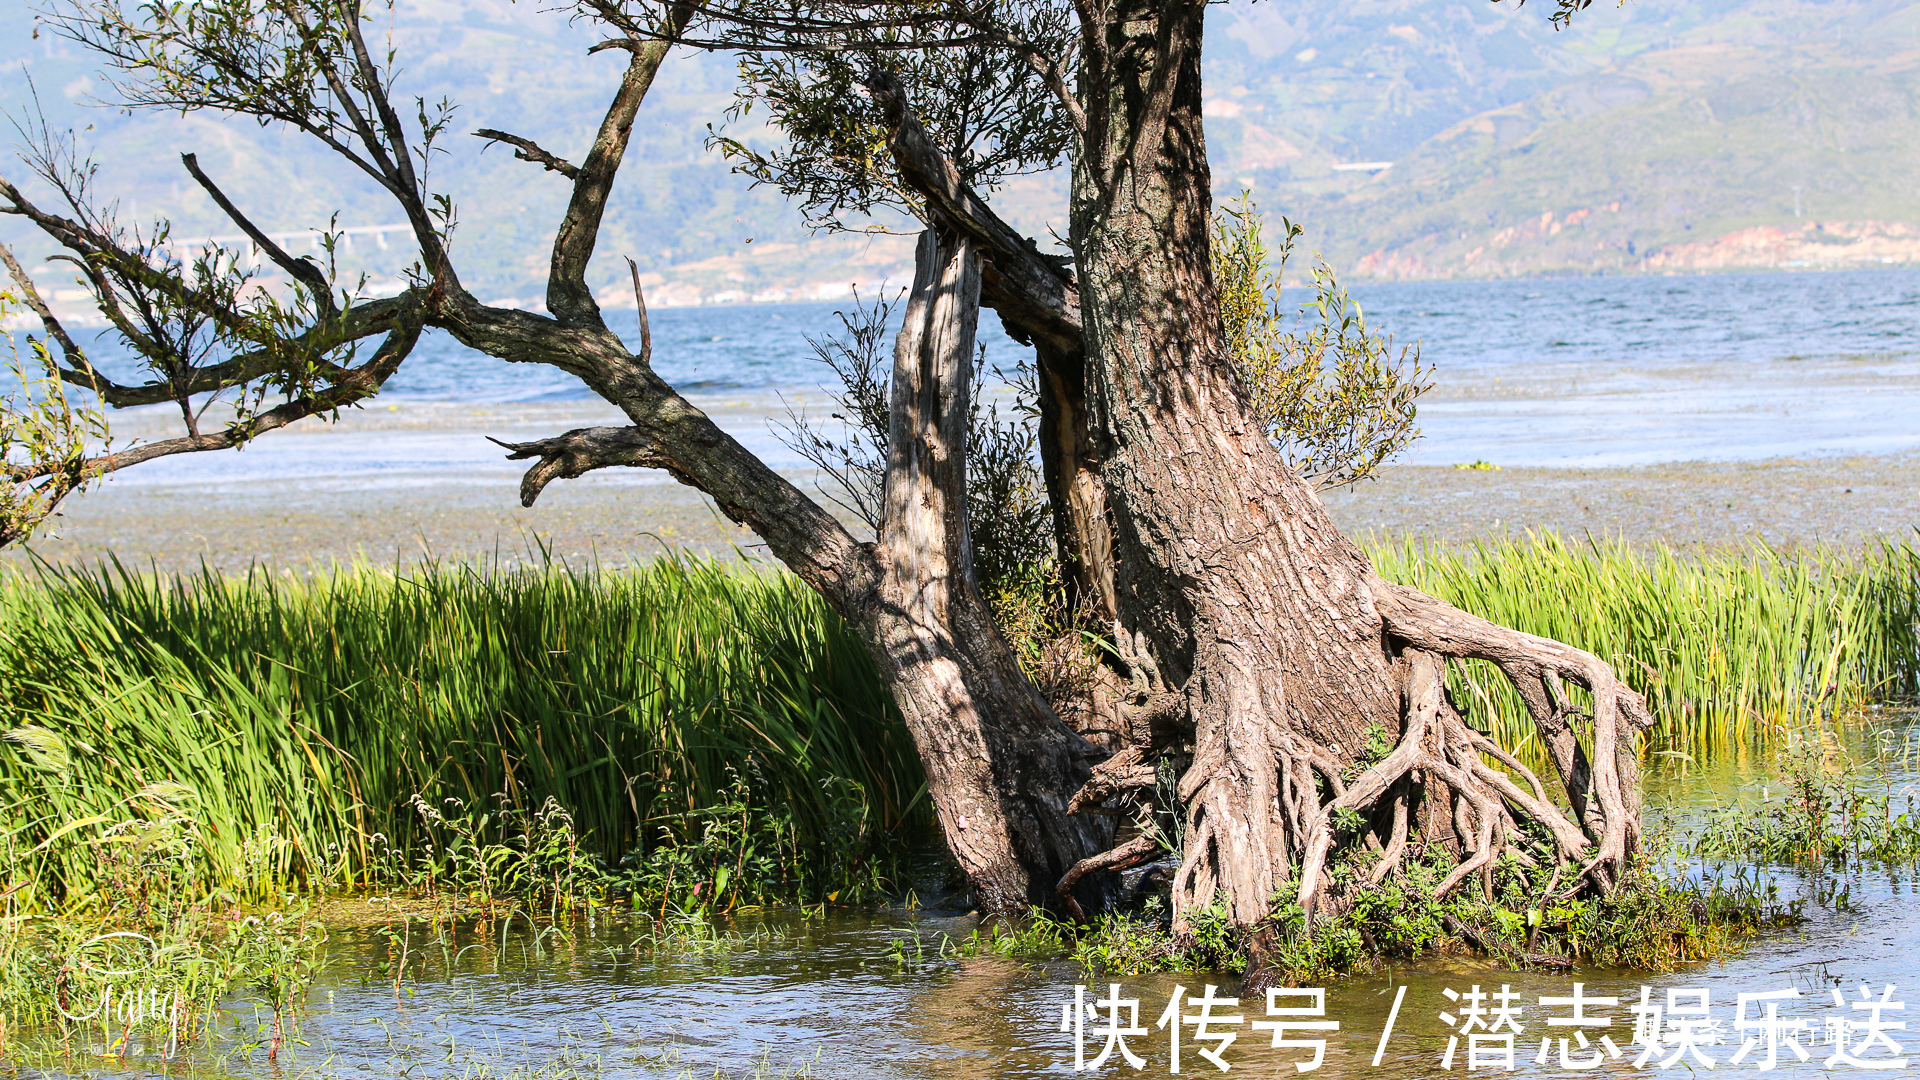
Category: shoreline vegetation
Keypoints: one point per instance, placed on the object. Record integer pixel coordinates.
(194, 765)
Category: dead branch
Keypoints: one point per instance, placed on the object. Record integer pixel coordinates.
(528, 150)
(579, 452)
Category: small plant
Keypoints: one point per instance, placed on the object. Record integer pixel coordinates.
(1334, 396)
(1038, 935)
(43, 434)
(508, 853)
(1819, 808)
(1654, 921)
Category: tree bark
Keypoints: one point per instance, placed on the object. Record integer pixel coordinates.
(1250, 600)
(1001, 767)
(1039, 305)
(1255, 620)
(1075, 489)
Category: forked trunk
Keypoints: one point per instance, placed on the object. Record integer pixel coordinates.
(1001, 767)
(1255, 631)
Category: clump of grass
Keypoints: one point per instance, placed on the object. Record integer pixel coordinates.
(1653, 920)
(1727, 646)
(1657, 919)
(144, 963)
(651, 705)
(1821, 805)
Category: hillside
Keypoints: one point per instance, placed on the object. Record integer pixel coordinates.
(1694, 158)
(1646, 138)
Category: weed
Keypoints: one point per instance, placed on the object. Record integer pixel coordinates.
(1819, 807)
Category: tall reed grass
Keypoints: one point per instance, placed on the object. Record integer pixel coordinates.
(321, 725)
(1726, 645)
(306, 715)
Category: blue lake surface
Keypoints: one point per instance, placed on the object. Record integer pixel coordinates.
(1545, 372)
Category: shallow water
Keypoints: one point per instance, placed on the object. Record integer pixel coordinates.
(869, 994)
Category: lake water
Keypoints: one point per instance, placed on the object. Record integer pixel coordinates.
(867, 994)
(1577, 372)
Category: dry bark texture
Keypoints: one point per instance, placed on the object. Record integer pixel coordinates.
(1039, 305)
(1243, 608)
(1000, 766)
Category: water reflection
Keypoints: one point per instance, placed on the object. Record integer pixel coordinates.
(873, 994)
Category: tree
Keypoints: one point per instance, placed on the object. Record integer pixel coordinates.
(1257, 639)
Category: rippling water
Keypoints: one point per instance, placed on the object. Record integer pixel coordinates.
(869, 994)
(1588, 372)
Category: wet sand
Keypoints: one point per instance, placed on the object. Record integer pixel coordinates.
(618, 517)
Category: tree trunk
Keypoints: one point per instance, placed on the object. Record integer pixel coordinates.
(1250, 600)
(1000, 766)
(1039, 305)
(1257, 622)
(1075, 490)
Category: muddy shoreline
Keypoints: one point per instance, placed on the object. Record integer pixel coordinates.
(617, 518)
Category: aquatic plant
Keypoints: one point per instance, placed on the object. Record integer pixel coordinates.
(316, 717)
(703, 737)
(1657, 920)
(1828, 798)
(146, 960)
(1729, 646)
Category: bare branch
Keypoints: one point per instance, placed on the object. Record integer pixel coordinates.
(568, 296)
(578, 452)
(303, 270)
(528, 150)
(640, 305)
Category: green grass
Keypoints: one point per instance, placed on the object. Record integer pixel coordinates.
(706, 736)
(1728, 646)
(677, 708)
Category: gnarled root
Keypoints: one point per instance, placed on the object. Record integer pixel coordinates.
(1119, 858)
(1442, 783)
(1603, 791)
(1439, 752)
(1153, 719)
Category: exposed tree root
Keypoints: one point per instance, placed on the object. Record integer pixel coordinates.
(1119, 858)
(1442, 783)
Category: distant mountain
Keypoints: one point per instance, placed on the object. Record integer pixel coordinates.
(1700, 156)
(1648, 137)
